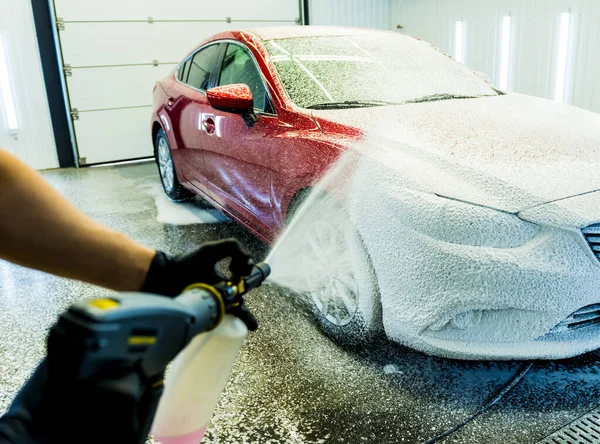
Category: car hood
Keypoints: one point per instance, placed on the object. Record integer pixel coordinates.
(510, 152)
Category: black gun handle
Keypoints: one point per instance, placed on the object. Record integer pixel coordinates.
(103, 409)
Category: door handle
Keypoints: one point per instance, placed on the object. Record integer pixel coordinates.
(169, 102)
(209, 125)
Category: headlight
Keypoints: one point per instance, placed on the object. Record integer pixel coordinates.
(466, 224)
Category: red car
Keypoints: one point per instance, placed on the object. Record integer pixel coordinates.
(464, 231)
(225, 128)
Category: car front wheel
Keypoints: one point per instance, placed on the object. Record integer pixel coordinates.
(173, 189)
(341, 283)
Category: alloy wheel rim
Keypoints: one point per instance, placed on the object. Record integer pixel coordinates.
(325, 250)
(165, 164)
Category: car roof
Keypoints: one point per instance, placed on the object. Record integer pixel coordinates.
(286, 32)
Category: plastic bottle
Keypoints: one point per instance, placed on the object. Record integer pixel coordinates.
(195, 382)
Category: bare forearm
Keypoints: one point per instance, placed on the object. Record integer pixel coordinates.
(40, 229)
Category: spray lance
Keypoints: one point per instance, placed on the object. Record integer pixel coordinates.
(115, 350)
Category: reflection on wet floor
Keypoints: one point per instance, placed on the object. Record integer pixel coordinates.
(291, 383)
(186, 213)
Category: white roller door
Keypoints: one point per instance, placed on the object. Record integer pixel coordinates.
(115, 50)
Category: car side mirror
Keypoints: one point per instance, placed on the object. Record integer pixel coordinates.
(235, 99)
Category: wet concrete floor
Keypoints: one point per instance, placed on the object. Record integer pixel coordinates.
(291, 383)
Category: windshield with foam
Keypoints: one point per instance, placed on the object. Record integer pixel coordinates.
(320, 72)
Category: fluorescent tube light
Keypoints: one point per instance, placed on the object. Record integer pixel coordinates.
(563, 52)
(459, 42)
(5, 89)
(505, 53)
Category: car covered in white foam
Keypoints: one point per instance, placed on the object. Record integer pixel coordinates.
(469, 224)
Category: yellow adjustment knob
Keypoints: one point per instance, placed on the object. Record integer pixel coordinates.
(104, 304)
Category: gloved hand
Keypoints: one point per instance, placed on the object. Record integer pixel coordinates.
(52, 408)
(25, 423)
(49, 412)
(169, 276)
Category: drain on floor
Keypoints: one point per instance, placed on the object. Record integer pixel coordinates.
(584, 430)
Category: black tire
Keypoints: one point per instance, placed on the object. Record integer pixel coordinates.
(166, 169)
(324, 214)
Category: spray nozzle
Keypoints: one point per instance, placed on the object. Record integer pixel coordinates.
(233, 294)
(257, 276)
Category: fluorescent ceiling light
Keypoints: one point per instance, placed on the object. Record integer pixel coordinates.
(459, 42)
(563, 51)
(505, 54)
(5, 89)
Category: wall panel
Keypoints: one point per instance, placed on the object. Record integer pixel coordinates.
(34, 140)
(116, 50)
(362, 13)
(535, 40)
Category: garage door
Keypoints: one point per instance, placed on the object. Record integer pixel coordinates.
(115, 50)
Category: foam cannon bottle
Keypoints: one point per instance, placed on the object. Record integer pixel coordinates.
(115, 350)
(198, 375)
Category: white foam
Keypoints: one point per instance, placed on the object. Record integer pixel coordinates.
(391, 369)
(186, 213)
(440, 260)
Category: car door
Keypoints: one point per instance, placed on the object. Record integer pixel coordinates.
(236, 155)
(185, 105)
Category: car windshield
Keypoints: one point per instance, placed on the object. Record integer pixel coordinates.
(369, 70)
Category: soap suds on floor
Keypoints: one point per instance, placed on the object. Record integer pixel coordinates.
(391, 369)
(186, 213)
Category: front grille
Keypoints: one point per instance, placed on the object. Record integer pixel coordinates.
(592, 235)
(584, 317)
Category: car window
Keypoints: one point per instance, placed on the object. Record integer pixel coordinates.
(382, 67)
(183, 71)
(239, 67)
(186, 70)
(201, 66)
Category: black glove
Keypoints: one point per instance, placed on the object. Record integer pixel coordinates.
(50, 408)
(23, 423)
(169, 276)
(55, 408)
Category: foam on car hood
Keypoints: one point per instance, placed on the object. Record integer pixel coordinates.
(510, 152)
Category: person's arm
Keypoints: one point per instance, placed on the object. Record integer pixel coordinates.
(40, 229)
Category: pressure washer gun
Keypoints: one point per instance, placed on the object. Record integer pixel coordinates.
(115, 350)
